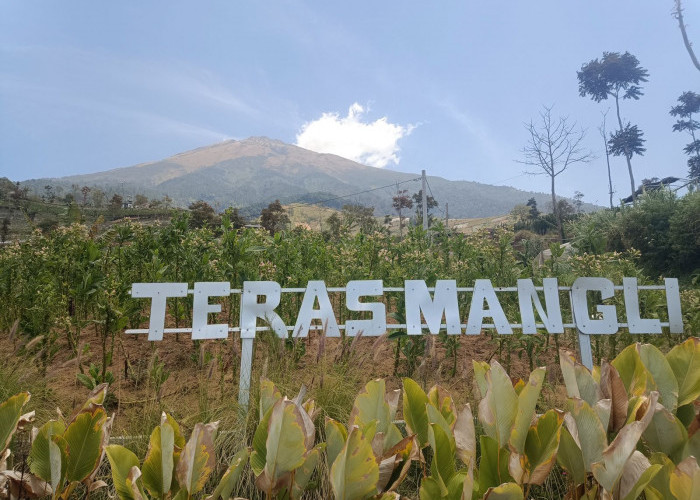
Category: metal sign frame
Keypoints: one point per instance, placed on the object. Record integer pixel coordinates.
(426, 307)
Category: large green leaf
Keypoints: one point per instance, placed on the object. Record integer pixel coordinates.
(570, 457)
(436, 418)
(493, 466)
(430, 489)
(443, 464)
(10, 411)
(47, 457)
(507, 491)
(197, 460)
(157, 469)
(480, 369)
(94, 400)
(258, 456)
(121, 460)
(269, 395)
(666, 433)
(527, 401)
(540, 450)
(684, 360)
(588, 432)
(285, 445)
(355, 472)
(659, 486)
(636, 475)
(84, 444)
(632, 371)
(231, 477)
(692, 447)
(414, 412)
(370, 404)
(685, 480)
(442, 400)
(303, 474)
(336, 435)
(179, 441)
(662, 374)
(499, 407)
(134, 483)
(578, 379)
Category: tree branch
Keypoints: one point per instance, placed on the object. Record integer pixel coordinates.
(678, 14)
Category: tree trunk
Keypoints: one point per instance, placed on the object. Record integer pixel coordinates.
(628, 155)
(604, 134)
(556, 212)
(681, 25)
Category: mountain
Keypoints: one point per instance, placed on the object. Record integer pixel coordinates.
(251, 173)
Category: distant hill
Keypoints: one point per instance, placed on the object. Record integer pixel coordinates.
(251, 173)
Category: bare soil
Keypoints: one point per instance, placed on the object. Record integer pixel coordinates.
(203, 378)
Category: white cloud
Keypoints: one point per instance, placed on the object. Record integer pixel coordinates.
(370, 143)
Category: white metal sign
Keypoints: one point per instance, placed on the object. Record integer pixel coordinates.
(431, 308)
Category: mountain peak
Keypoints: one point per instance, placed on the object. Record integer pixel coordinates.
(253, 172)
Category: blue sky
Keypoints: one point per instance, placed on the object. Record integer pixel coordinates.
(442, 86)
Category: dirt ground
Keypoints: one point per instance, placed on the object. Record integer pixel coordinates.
(203, 377)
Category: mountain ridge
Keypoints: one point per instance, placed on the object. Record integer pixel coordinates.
(251, 173)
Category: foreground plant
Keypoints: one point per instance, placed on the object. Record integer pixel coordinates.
(642, 396)
(629, 428)
(369, 458)
(172, 467)
(64, 454)
(284, 456)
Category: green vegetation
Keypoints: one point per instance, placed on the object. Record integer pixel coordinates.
(661, 226)
(629, 428)
(65, 293)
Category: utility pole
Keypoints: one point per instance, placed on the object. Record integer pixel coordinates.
(425, 200)
(398, 195)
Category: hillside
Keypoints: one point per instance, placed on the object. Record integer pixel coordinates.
(251, 173)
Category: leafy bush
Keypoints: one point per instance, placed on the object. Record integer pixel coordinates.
(661, 226)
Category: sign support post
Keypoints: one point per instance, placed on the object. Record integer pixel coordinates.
(584, 341)
(246, 370)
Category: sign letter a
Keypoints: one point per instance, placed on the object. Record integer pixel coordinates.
(316, 290)
(483, 291)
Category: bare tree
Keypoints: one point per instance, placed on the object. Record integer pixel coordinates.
(678, 14)
(554, 145)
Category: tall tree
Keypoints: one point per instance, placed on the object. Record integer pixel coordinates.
(553, 146)
(678, 14)
(619, 76)
(86, 191)
(399, 202)
(202, 214)
(274, 218)
(116, 202)
(418, 203)
(359, 216)
(685, 111)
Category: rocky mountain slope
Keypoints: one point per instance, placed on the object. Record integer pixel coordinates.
(251, 173)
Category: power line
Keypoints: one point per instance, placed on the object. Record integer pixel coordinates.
(433, 196)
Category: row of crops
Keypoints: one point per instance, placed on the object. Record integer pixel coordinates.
(54, 287)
